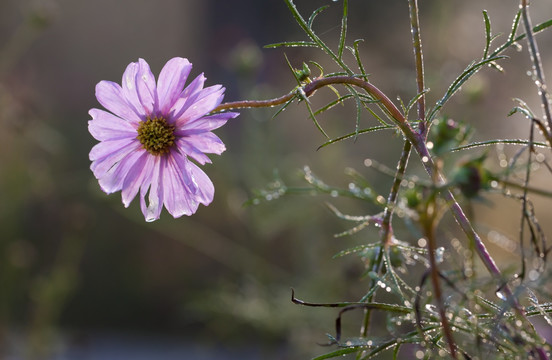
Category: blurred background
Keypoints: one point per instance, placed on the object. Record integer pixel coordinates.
(81, 277)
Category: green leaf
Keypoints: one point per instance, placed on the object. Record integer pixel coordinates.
(498, 141)
(363, 131)
(515, 25)
(283, 107)
(310, 33)
(356, 53)
(313, 117)
(470, 70)
(340, 352)
(413, 101)
(291, 44)
(343, 30)
(488, 35)
(356, 249)
(314, 14)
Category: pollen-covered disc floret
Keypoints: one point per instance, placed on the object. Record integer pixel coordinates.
(150, 133)
(156, 135)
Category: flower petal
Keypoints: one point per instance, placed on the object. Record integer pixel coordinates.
(107, 154)
(203, 143)
(207, 100)
(206, 190)
(106, 126)
(130, 91)
(152, 210)
(171, 81)
(178, 199)
(188, 96)
(109, 94)
(136, 177)
(188, 149)
(206, 123)
(113, 179)
(147, 89)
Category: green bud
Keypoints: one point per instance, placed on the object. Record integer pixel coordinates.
(413, 197)
(471, 177)
(396, 256)
(303, 74)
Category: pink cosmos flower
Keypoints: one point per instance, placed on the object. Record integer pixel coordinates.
(150, 132)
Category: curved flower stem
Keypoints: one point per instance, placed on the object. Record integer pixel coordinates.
(417, 142)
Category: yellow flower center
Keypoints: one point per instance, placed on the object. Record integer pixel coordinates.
(156, 135)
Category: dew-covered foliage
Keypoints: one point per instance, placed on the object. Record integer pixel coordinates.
(434, 290)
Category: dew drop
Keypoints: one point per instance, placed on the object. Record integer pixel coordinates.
(499, 294)
(533, 275)
(439, 252)
(431, 308)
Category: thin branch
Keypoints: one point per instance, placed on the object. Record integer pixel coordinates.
(537, 64)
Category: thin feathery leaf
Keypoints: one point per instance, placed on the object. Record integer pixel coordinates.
(313, 117)
(496, 142)
(315, 14)
(536, 29)
(357, 218)
(356, 53)
(471, 70)
(283, 107)
(291, 44)
(355, 250)
(488, 36)
(340, 352)
(292, 70)
(310, 33)
(413, 101)
(358, 113)
(352, 135)
(343, 30)
(515, 25)
(333, 103)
